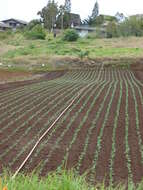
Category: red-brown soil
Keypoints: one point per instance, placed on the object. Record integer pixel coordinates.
(24, 78)
(57, 154)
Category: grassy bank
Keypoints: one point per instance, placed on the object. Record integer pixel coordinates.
(50, 54)
(64, 180)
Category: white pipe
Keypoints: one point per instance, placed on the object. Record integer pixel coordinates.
(45, 133)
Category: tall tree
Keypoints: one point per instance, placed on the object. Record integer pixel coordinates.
(48, 14)
(64, 17)
(95, 11)
(67, 6)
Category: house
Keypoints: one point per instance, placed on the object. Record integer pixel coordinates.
(14, 23)
(68, 20)
(4, 26)
(75, 19)
(107, 19)
(120, 17)
(84, 30)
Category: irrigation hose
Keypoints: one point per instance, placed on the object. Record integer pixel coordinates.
(52, 125)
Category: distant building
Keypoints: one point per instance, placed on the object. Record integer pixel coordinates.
(120, 17)
(75, 19)
(14, 23)
(84, 30)
(4, 27)
(107, 19)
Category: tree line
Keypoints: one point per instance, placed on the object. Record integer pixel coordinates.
(52, 16)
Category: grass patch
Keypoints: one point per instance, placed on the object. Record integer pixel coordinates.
(65, 180)
(27, 52)
(59, 180)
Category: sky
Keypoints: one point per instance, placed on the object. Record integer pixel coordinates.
(27, 9)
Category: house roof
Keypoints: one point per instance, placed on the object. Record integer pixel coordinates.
(16, 20)
(75, 15)
(3, 25)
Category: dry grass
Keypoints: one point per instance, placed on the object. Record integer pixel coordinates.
(4, 48)
(128, 42)
(55, 54)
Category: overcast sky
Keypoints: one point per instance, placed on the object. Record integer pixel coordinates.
(27, 9)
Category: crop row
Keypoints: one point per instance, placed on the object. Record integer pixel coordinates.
(39, 102)
(137, 119)
(38, 133)
(43, 104)
(80, 126)
(99, 140)
(26, 102)
(67, 115)
(67, 127)
(18, 106)
(58, 126)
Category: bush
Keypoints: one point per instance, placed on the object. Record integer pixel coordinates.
(70, 35)
(37, 32)
(133, 26)
(83, 54)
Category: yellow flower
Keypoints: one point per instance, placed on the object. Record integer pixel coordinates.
(5, 188)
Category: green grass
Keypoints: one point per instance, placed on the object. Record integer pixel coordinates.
(59, 47)
(63, 180)
(21, 51)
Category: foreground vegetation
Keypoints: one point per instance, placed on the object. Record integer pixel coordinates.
(59, 181)
(64, 180)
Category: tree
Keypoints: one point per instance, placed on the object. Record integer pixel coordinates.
(48, 14)
(64, 21)
(67, 6)
(112, 30)
(33, 23)
(95, 11)
(91, 20)
(64, 18)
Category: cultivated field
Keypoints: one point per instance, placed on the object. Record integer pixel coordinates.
(101, 133)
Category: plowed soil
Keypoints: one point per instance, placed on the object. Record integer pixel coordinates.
(68, 137)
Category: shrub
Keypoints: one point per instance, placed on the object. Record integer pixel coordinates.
(70, 35)
(37, 32)
(83, 54)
